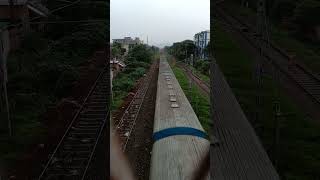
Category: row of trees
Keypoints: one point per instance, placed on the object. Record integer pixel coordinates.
(137, 62)
(183, 50)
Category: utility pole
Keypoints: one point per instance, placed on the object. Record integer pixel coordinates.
(3, 88)
(11, 6)
(262, 36)
(278, 115)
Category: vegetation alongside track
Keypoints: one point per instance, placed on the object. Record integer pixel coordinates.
(294, 42)
(199, 102)
(298, 135)
(138, 61)
(42, 71)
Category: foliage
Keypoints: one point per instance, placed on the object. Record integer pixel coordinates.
(203, 66)
(199, 102)
(297, 147)
(137, 61)
(44, 68)
(140, 53)
(80, 44)
(116, 50)
(307, 14)
(182, 50)
(284, 8)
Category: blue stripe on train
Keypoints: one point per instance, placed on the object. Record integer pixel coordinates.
(179, 131)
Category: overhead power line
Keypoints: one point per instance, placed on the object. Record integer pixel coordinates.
(75, 21)
(50, 12)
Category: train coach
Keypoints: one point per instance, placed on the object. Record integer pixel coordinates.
(180, 142)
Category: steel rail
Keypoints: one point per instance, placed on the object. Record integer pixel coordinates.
(277, 64)
(142, 100)
(95, 146)
(145, 82)
(195, 76)
(72, 122)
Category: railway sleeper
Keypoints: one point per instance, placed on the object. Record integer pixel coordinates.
(103, 104)
(79, 140)
(89, 126)
(76, 148)
(92, 123)
(90, 110)
(85, 129)
(101, 90)
(78, 153)
(98, 100)
(89, 123)
(95, 96)
(83, 135)
(100, 116)
(61, 176)
(56, 171)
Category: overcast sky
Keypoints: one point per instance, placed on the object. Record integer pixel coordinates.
(163, 21)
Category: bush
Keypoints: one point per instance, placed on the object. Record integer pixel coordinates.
(123, 83)
(285, 8)
(140, 53)
(203, 66)
(307, 14)
(138, 73)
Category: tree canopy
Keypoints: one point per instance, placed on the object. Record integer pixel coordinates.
(140, 53)
(182, 50)
(307, 13)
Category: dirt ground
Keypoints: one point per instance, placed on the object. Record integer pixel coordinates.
(140, 143)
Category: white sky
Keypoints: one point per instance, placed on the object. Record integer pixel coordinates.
(163, 21)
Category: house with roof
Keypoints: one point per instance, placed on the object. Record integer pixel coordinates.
(127, 42)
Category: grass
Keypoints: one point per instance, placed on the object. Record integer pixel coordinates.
(298, 148)
(199, 102)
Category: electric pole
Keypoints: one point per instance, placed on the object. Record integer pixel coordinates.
(11, 6)
(262, 39)
(3, 88)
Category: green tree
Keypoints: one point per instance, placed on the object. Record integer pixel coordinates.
(307, 15)
(140, 53)
(116, 50)
(182, 50)
(283, 8)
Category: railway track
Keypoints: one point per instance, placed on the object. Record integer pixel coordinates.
(301, 75)
(125, 126)
(74, 153)
(203, 85)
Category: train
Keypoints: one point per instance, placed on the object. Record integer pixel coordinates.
(180, 142)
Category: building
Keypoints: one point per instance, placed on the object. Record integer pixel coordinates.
(116, 66)
(201, 41)
(127, 43)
